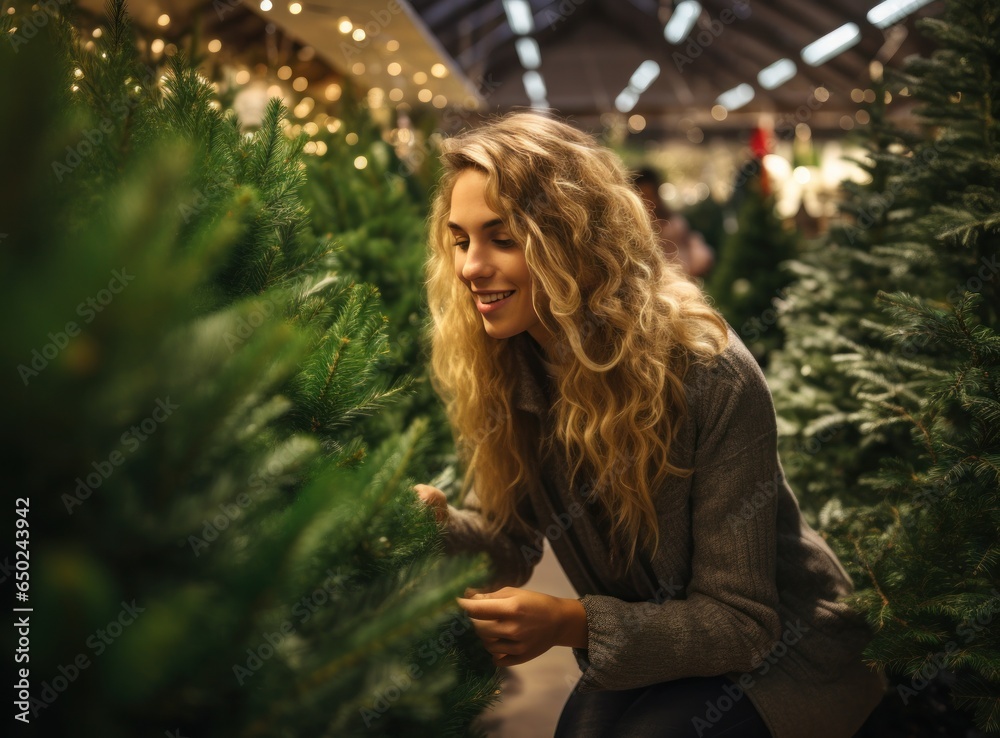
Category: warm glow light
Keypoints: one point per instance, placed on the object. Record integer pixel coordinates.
(802, 175)
(351, 138)
(719, 112)
(636, 123)
(439, 70)
(439, 101)
(295, 8)
(425, 95)
(420, 78)
(395, 94)
(358, 68)
(359, 34)
(157, 46)
(822, 94)
(345, 25)
(333, 92)
(242, 77)
(777, 166)
(300, 84)
(97, 31)
(214, 45)
(163, 20)
(392, 45)
(265, 5)
(285, 72)
(393, 69)
(360, 163)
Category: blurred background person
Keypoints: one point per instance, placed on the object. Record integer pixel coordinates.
(678, 241)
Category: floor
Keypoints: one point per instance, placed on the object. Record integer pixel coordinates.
(535, 692)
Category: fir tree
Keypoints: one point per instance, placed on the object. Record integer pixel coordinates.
(214, 550)
(923, 541)
(748, 281)
(826, 313)
(378, 212)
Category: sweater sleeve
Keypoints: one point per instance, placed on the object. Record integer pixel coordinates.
(513, 556)
(728, 619)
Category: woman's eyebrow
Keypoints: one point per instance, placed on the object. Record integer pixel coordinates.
(488, 224)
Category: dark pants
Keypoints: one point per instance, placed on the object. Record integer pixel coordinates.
(674, 709)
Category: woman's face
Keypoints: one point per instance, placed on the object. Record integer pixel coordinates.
(490, 263)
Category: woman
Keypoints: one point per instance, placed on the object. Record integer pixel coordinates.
(598, 401)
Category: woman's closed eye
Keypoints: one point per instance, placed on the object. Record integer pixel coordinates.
(501, 242)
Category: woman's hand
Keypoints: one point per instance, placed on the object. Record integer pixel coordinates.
(516, 625)
(436, 499)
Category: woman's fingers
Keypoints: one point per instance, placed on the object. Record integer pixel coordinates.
(435, 498)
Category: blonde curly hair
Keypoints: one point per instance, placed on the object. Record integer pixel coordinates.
(627, 324)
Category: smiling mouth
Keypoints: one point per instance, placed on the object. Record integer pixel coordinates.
(490, 298)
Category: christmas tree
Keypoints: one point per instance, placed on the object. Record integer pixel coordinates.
(379, 217)
(212, 548)
(748, 280)
(826, 313)
(915, 516)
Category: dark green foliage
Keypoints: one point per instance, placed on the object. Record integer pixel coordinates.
(186, 373)
(748, 280)
(379, 213)
(896, 321)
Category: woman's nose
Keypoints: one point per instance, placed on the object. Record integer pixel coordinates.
(477, 261)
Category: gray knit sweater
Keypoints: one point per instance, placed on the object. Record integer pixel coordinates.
(740, 585)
